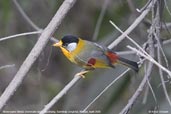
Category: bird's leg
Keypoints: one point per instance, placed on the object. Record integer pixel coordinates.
(82, 73)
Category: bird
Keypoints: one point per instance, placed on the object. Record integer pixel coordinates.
(90, 55)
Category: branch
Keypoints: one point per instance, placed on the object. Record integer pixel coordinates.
(166, 5)
(144, 7)
(6, 66)
(129, 38)
(161, 77)
(35, 52)
(30, 22)
(144, 54)
(138, 91)
(148, 57)
(105, 89)
(152, 91)
(133, 25)
(59, 95)
(21, 34)
(147, 90)
(100, 19)
(160, 51)
(143, 82)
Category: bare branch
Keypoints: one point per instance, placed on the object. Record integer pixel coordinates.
(131, 6)
(35, 52)
(161, 77)
(129, 52)
(154, 96)
(7, 66)
(105, 89)
(144, 54)
(21, 34)
(166, 5)
(133, 25)
(29, 21)
(167, 41)
(144, 7)
(138, 91)
(129, 38)
(159, 44)
(60, 94)
(142, 84)
(25, 16)
(160, 49)
(151, 59)
(100, 19)
(147, 89)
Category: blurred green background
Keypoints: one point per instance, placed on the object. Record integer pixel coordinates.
(52, 71)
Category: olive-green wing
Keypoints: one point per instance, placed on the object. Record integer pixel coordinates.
(93, 55)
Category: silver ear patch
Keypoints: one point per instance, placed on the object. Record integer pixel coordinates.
(71, 46)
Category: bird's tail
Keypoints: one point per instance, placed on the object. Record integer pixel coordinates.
(131, 64)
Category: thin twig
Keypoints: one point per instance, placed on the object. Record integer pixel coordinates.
(159, 44)
(100, 19)
(167, 41)
(60, 94)
(144, 7)
(161, 77)
(7, 66)
(145, 95)
(21, 34)
(35, 52)
(129, 52)
(154, 96)
(151, 59)
(144, 54)
(142, 84)
(105, 89)
(132, 26)
(129, 38)
(48, 60)
(30, 22)
(166, 5)
(147, 90)
(131, 6)
(138, 91)
(160, 50)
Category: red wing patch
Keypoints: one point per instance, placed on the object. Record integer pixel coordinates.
(112, 56)
(91, 62)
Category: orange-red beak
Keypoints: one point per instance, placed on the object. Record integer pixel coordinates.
(59, 44)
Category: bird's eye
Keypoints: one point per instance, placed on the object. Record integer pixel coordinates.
(65, 45)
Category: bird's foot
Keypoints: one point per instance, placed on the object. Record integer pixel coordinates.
(82, 73)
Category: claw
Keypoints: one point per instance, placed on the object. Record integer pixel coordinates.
(82, 73)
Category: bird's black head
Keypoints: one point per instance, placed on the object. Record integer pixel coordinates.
(69, 39)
